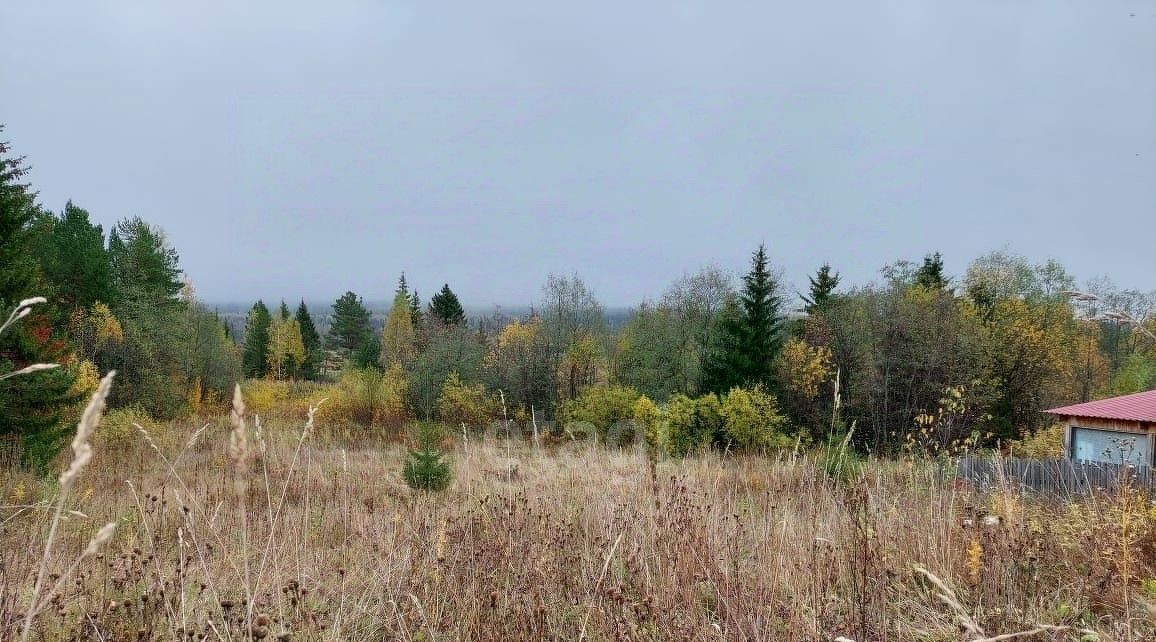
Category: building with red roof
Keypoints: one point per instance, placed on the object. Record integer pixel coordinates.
(1115, 430)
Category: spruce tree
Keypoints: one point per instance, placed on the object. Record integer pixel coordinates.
(445, 307)
(726, 365)
(30, 405)
(415, 312)
(931, 274)
(255, 355)
(17, 211)
(311, 366)
(750, 336)
(823, 286)
(426, 467)
(761, 305)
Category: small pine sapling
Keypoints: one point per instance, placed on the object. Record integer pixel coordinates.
(426, 467)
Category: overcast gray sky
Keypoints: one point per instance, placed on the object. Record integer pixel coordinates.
(302, 149)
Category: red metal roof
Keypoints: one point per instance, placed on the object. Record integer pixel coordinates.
(1136, 407)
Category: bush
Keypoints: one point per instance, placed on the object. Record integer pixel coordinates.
(118, 428)
(647, 415)
(461, 403)
(263, 395)
(367, 397)
(426, 467)
(1046, 443)
(752, 421)
(601, 405)
(690, 424)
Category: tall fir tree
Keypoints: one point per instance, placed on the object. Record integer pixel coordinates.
(30, 405)
(751, 337)
(823, 286)
(762, 314)
(445, 307)
(311, 366)
(255, 354)
(415, 313)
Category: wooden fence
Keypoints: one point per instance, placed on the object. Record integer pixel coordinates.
(1061, 476)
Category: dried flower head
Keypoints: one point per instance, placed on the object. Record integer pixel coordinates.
(81, 449)
(239, 438)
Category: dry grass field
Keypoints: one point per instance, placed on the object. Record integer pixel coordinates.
(280, 533)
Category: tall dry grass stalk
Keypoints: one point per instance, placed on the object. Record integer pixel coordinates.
(81, 456)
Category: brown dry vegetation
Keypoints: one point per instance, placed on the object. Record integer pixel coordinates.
(311, 541)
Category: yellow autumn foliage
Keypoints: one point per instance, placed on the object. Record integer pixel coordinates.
(804, 368)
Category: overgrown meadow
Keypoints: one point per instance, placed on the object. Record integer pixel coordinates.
(720, 462)
(281, 526)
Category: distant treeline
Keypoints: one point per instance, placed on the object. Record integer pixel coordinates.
(918, 357)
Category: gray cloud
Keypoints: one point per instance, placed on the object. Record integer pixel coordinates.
(304, 149)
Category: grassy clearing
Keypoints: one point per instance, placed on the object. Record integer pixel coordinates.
(299, 538)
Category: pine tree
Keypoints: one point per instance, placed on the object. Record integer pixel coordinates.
(823, 285)
(749, 338)
(311, 366)
(284, 311)
(74, 260)
(350, 330)
(445, 307)
(931, 274)
(30, 405)
(146, 271)
(426, 467)
(255, 354)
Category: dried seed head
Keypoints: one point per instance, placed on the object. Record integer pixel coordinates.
(238, 439)
(81, 450)
(98, 541)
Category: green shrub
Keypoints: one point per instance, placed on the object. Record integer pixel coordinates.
(690, 424)
(426, 467)
(752, 421)
(1046, 443)
(601, 405)
(461, 403)
(118, 428)
(367, 397)
(647, 415)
